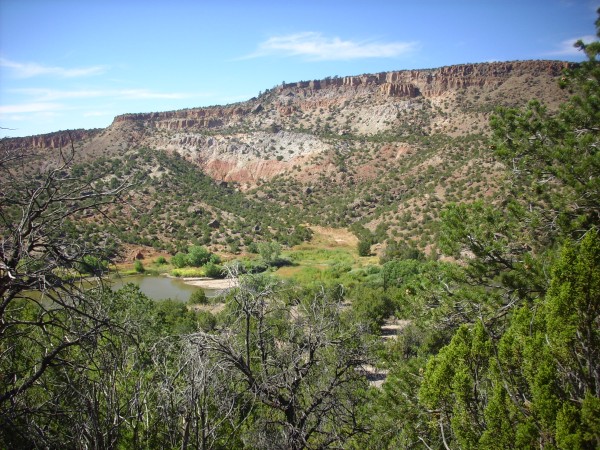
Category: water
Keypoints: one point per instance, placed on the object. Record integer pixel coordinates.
(160, 288)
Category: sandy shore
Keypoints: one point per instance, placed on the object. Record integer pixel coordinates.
(210, 283)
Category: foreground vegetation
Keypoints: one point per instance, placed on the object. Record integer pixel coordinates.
(499, 351)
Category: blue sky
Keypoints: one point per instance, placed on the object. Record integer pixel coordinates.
(68, 64)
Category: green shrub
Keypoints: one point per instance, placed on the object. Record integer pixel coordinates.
(401, 250)
(206, 320)
(364, 248)
(371, 307)
(179, 260)
(198, 297)
(161, 260)
(138, 266)
(197, 256)
(92, 265)
(269, 251)
(213, 271)
(372, 270)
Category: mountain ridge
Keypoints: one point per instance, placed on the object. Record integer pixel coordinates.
(399, 83)
(381, 154)
(290, 124)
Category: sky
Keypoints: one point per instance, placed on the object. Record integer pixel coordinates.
(68, 64)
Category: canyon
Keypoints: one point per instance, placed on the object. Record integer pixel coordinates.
(290, 125)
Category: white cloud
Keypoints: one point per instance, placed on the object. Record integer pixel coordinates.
(55, 94)
(31, 69)
(34, 107)
(129, 94)
(143, 94)
(566, 47)
(315, 46)
(96, 114)
(42, 103)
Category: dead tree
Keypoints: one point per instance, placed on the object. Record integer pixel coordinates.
(46, 310)
(300, 364)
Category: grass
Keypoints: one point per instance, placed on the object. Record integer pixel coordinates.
(321, 256)
(330, 255)
(188, 272)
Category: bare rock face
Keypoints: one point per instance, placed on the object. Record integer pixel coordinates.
(56, 140)
(400, 90)
(201, 118)
(437, 81)
(289, 125)
(307, 95)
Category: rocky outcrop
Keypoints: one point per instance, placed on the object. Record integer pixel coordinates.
(306, 95)
(400, 90)
(288, 125)
(435, 81)
(211, 117)
(58, 139)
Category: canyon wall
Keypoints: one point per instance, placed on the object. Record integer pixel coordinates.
(55, 140)
(287, 125)
(304, 95)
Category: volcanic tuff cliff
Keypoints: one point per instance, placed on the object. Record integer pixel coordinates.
(287, 126)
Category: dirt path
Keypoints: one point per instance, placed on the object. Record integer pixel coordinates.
(391, 327)
(389, 330)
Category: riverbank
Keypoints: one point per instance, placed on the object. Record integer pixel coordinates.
(210, 283)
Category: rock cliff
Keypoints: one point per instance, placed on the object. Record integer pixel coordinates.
(291, 123)
(55, 140)
(432, 82)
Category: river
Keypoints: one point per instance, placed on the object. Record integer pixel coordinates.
(159, 287)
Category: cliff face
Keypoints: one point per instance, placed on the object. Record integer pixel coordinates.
(212, 117)
(307, 95)
(288, 125)
(410, 83)
(58, 139)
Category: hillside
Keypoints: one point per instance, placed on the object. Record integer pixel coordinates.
(438, 285)
(380, 153)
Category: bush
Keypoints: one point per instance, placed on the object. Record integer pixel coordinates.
(138, 266)
(339, 268)
(198, 297)
(251, 266)
(198, 256)
(179, 260)
(234, 247)
(188, 272)
(206, 320)
(371, 307)
(213, 271)
(269, 251)
(92, 265)
(401, 250)
(364, 248)
(161, 260)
